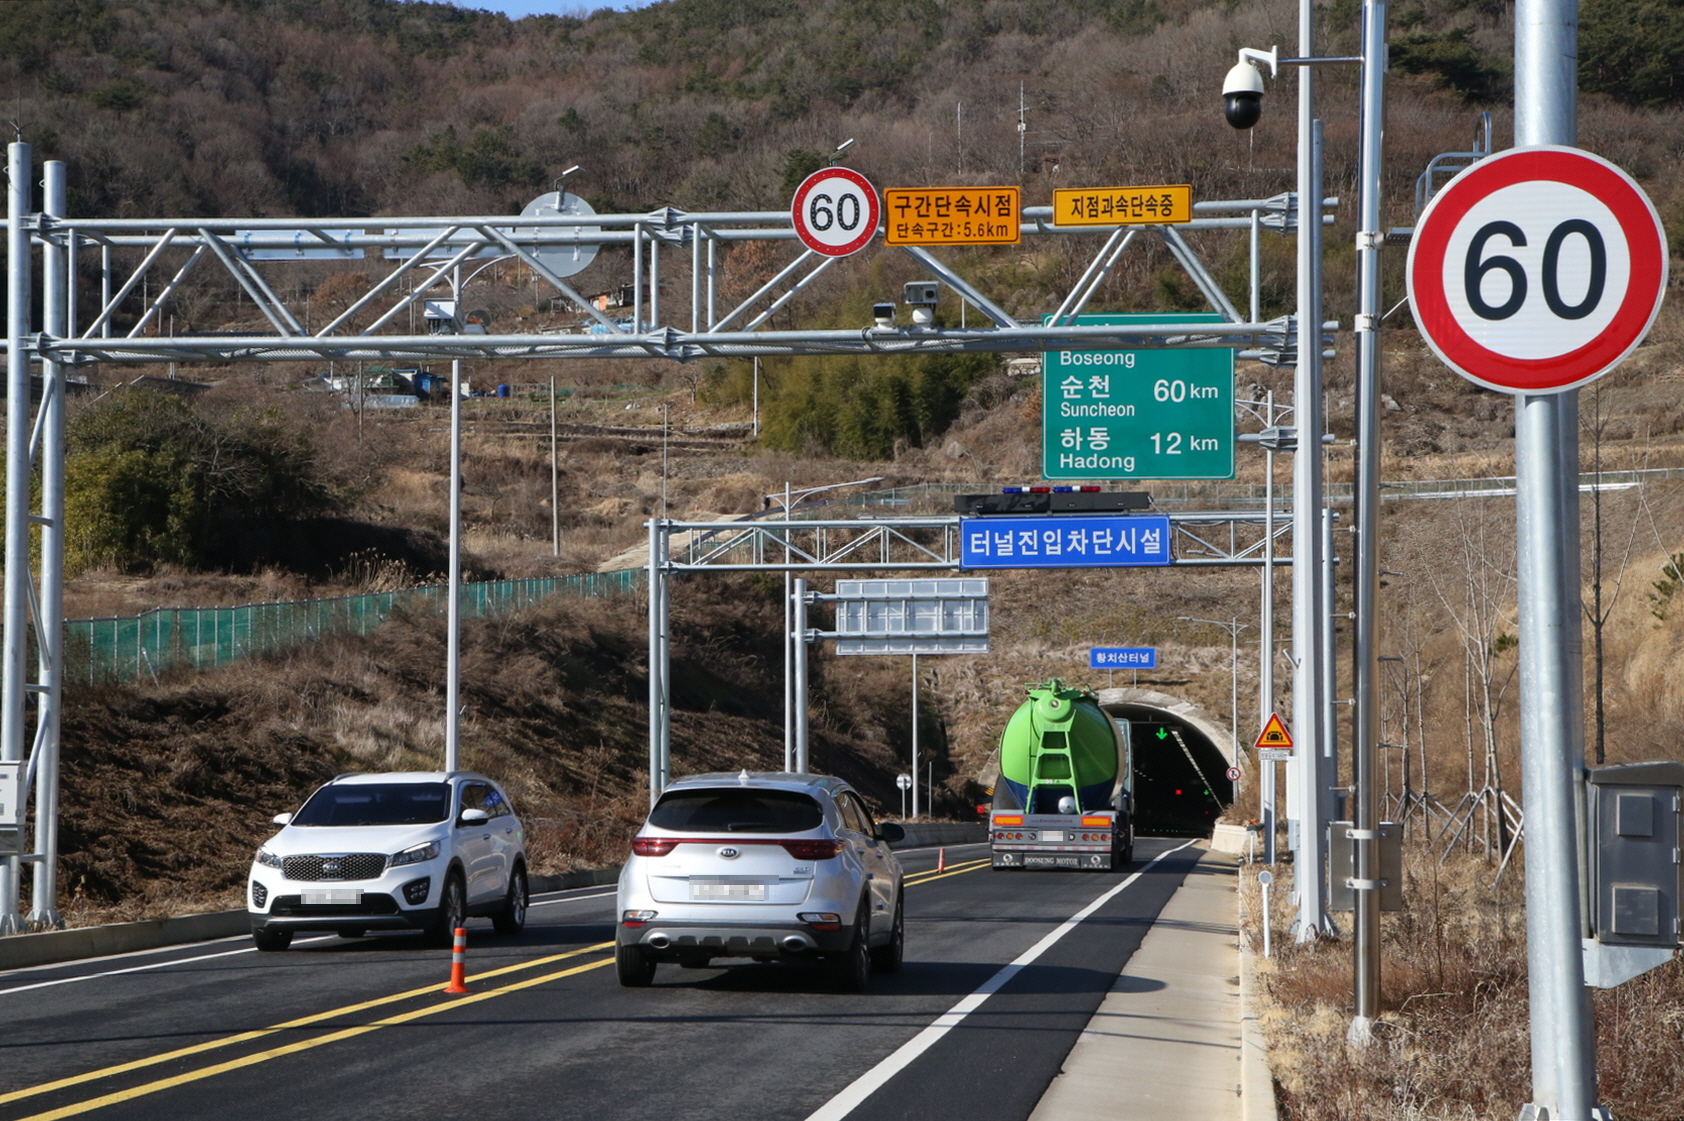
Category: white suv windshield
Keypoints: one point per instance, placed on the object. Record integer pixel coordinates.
(405, 803)
(736, 811)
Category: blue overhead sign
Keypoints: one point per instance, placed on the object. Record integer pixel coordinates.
(1064, 542)
(1123, 657)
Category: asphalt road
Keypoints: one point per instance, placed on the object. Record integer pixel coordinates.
(997, 984)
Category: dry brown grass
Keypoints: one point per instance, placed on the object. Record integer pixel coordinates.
(1452, 1036)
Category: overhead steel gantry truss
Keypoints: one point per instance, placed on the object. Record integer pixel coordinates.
(870, 544)
(143, 265)
(666, 246)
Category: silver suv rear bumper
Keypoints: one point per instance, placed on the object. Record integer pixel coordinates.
(671, 941)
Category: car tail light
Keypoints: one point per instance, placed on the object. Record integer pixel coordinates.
(636, 918)
(653, 846)
(813, 850)
(821, 920)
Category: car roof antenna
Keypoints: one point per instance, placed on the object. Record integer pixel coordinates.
(743, 777)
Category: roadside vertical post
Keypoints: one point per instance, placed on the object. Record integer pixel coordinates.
(799, 640)
(55, 285)
(1551, 707)
(1304, 771)
(1365, 723)
(14, 706)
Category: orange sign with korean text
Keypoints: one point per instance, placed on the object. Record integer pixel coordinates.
(1123, 206)
(952, 216)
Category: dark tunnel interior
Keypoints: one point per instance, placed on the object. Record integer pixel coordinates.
(1180, 777)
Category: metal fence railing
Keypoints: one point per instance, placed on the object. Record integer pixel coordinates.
(127, 647)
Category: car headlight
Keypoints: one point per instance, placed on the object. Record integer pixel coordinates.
(268, 859)
(415, 854)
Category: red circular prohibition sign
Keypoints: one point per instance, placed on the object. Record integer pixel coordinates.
(867, 226)
(1460, 349)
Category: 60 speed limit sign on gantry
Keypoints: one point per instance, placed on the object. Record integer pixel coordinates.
(1537, 269)
(835, 211)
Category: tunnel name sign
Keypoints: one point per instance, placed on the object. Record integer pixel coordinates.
(1127, 541)
(1537, 269)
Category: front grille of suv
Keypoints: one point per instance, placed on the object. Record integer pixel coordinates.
(346, 866)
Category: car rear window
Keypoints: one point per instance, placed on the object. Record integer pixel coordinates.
(736, 811)
(398, 803)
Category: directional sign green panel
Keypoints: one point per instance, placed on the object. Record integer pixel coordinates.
(1138, 414)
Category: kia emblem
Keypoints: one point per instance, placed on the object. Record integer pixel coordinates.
(729, 853)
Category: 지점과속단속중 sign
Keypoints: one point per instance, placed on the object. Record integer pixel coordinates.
(1123, 206)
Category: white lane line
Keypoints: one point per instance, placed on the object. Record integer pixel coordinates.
(142, 968)
(872, 1080)
(569, 899)
(210, 957)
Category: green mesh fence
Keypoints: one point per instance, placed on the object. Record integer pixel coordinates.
(120, 649)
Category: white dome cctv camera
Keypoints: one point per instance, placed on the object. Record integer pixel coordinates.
(1242, 89)
(1242, 95)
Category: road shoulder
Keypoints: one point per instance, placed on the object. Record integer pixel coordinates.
(1173, 1038)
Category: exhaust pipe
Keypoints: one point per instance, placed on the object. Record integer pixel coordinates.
(794, 943)
(659, 941)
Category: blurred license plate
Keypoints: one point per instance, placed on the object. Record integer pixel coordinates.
(1052, 834)
(752, 892)
(333, 895)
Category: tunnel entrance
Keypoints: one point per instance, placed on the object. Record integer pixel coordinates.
(1180, 765)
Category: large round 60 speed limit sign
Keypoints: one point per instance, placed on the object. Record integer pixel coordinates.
(835, 211)
(1537, 269)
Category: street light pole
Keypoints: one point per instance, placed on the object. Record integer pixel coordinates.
(1233, 627)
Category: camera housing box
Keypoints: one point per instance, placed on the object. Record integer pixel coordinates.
(884, 314)
(922, 293)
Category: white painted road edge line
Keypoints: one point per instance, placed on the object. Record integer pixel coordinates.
(143, 968)
(872, 1080)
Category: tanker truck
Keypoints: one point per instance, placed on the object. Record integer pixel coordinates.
(1065, 795)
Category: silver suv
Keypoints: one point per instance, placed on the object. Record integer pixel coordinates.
(391, 852)
(762, 866)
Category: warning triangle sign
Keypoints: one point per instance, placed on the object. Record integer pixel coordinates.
(1274, 734)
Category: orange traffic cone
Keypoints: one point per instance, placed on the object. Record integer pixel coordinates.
(459, 963)
(941, 859)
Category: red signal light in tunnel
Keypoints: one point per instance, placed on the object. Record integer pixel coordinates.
(1178, 791)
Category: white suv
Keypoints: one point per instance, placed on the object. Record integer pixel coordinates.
(761, 866)
(420, 850)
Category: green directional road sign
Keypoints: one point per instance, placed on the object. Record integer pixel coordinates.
(1138, 414)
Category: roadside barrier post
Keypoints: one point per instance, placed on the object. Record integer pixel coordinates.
(458, 962)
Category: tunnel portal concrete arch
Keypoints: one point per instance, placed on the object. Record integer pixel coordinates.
(1180, 761)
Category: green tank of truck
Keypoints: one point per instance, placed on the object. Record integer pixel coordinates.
(1065, 795)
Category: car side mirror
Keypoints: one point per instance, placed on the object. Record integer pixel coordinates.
(890, 832)
(473, 817)
(281, 819)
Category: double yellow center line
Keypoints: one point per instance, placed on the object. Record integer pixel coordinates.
(302, 1045)
(256, 1057)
